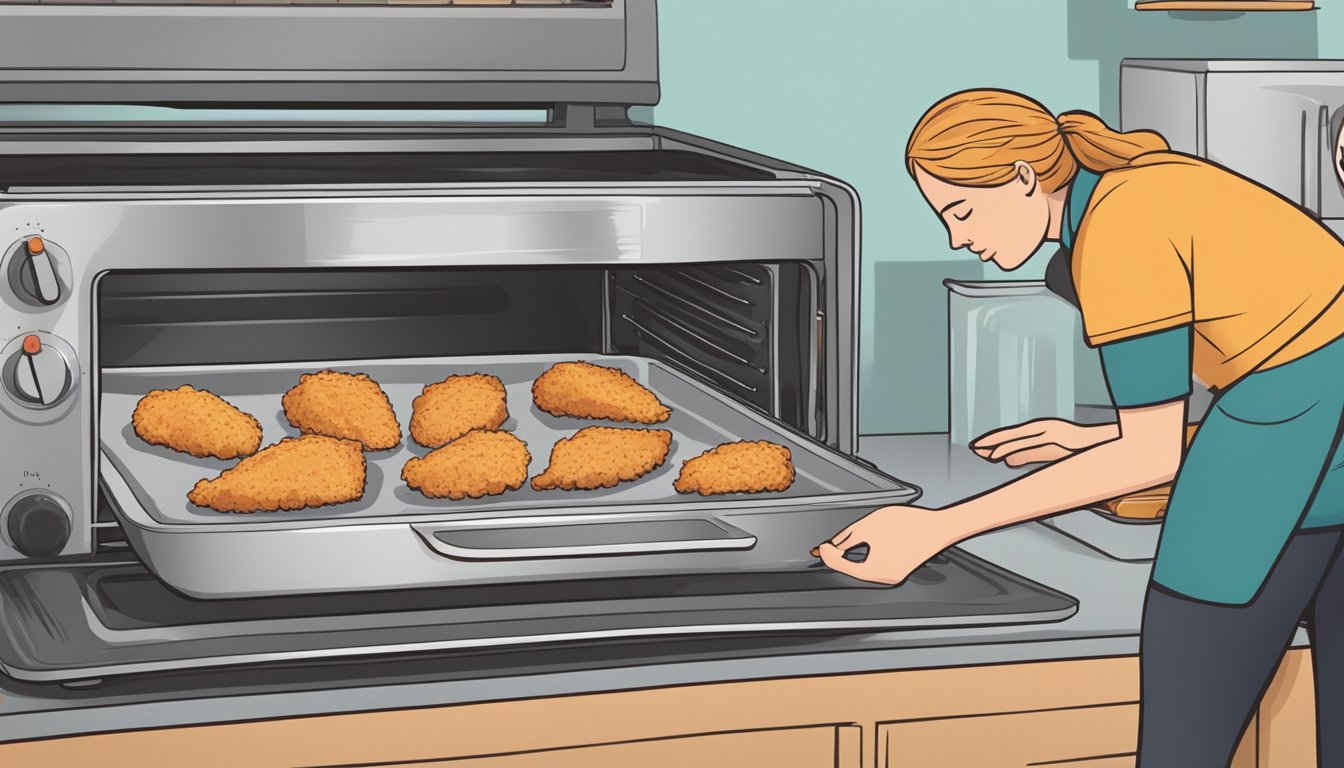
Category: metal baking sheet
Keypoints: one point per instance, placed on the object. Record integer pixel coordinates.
(159, 478)
(77, 622)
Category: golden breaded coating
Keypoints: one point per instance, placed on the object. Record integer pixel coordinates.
(741, 467)
(480, 463)
(197, 422)
(601, 457)
(588, 391)
(455, 406)
(345, 405)
(297, 472)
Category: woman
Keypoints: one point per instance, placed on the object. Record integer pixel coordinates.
(1178, 266)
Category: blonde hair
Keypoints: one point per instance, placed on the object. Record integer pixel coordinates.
(974, 138)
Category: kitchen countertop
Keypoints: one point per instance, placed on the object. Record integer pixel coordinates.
(1109, 593)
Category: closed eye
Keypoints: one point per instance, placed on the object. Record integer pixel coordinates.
(963, 218)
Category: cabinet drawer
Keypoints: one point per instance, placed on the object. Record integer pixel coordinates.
(818, 747)
(1095, 737)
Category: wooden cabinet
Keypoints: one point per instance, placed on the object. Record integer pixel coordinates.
(1091, 737)
(1086, 736)
(1285, 731)
(836, 747)
(1076, 714)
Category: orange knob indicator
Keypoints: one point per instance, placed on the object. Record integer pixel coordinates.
(36, 246)
(31, 344)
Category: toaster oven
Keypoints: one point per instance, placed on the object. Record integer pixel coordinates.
(412, 192)
(236, 258)
(725, 287)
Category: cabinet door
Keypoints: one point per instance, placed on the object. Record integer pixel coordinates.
(1096, 737)
(819, 747)
(1287, 722)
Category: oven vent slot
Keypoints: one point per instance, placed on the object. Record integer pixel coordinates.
(714, 322)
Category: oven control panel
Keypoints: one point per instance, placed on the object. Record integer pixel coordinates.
(45, 498)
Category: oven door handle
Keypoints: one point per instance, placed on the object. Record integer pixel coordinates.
(544, 540)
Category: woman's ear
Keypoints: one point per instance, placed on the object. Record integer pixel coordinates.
(1026, 176)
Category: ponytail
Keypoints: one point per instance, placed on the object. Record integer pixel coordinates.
(975, 138)
(1098, 148)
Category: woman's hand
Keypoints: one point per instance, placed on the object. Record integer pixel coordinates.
(899, 539)
(1043, 440)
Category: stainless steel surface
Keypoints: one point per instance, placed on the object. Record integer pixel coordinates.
(74, 623)
(248, 55)
(1272, 121)
(196, 550)
(1131, 541)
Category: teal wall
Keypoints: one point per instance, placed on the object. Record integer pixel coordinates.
(837, 86)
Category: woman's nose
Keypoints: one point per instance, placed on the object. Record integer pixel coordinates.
(957, 240)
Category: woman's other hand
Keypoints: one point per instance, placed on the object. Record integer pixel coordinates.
(1042, 440)
(899, 540)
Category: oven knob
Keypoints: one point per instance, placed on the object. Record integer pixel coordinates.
(39, 272)
(37, 525)
(42, 282)
(37, 374)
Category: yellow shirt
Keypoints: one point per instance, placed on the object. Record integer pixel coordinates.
(1172, 240)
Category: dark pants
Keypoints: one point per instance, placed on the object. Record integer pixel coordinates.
(1205, 665)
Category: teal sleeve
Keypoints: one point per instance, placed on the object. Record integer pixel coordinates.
(1149, 369)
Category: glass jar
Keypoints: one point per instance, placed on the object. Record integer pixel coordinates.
(1016, 349)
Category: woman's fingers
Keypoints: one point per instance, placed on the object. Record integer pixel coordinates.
(838, 540)
(843, 536)
(1004, 450)
(872, 569)
(1042, 453)
(834, 558)
(1000, 436)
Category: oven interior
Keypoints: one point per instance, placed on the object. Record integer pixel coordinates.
(748, 330)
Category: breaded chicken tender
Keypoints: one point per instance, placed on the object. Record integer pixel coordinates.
(588, 391)
(297, 472)
(601, 457)
(197, 422)
(455, 406)
(480, 463)
(346, 405)
(741, 467)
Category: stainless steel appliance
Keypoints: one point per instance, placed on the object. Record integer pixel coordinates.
(1278, 122)
(513, 218)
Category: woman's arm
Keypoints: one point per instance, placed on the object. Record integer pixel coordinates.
(901, 538)
(1041, 440)
(1147, 453)
(1149, 380)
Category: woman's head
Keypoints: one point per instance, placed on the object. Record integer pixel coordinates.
(988, 161)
